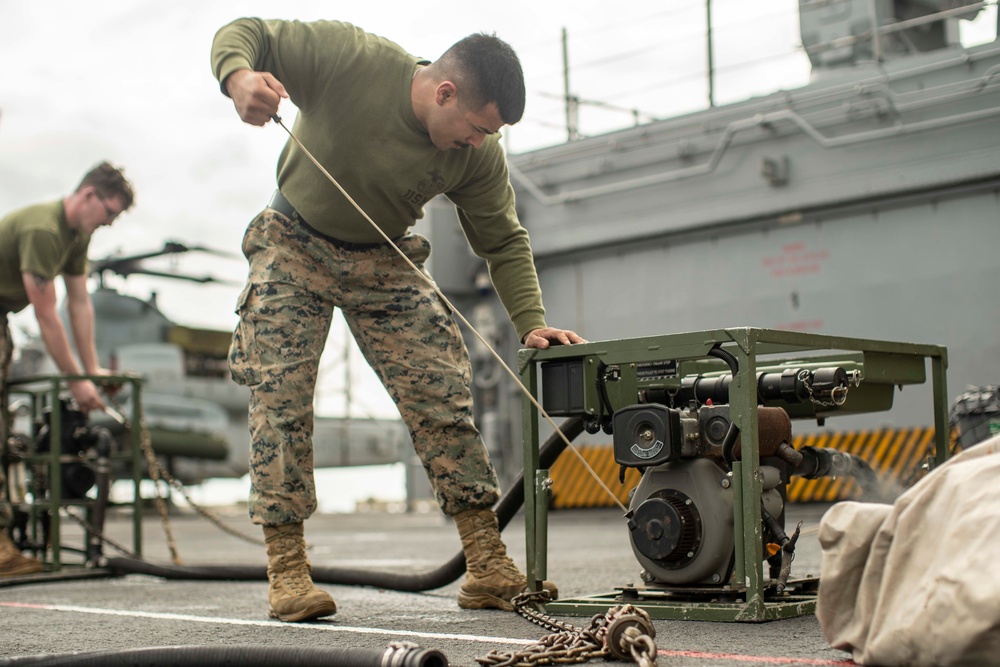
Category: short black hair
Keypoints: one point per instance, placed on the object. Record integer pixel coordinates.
(486, 69)
(109, 182)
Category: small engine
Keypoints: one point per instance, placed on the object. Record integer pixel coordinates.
(681, 513)
(82, 443)
(84, 453)
(680, 437)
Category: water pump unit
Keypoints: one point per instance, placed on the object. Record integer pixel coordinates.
(706, 418)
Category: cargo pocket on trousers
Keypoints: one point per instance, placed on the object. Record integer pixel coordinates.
(416, 248)
(244, 362)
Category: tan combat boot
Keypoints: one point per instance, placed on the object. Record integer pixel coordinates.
(12, 561)
(491, 578)
(292, 596)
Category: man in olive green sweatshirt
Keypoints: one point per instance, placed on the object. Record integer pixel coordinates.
(38, 243)
(394, 131)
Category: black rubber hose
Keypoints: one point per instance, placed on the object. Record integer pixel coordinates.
(241, 656)
(508, 506)
(825, 462)
(729, 443)
(731, 361)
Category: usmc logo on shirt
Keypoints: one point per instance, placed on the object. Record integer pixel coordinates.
(425, 188)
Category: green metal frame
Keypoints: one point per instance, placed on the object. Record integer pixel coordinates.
(884, 362)
(44, 392)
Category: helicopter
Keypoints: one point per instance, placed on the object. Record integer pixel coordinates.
(196, 414)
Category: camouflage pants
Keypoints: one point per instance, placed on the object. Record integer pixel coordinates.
(406, 334)
(6, 352)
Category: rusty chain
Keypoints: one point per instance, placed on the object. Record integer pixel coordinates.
(154, 474)
(521, 606)
(179, 487)
(624, 632)
(158, 472)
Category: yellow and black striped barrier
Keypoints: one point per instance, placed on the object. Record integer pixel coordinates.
(896, 455)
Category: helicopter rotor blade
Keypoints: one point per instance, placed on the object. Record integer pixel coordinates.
(130, 264)
(180, 276)
(214, 251)
(125, 262)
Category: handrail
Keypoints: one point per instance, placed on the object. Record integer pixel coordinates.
(890, 28)
(762, 120)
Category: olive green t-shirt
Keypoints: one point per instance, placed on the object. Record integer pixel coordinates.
(38, 240)
(356, 117)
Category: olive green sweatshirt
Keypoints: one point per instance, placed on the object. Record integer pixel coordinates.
(37, 239)
(352, 90)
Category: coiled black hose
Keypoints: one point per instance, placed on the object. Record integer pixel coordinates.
(408, 582)
(242, 656)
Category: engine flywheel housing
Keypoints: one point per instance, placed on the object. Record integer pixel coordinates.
(667, 528)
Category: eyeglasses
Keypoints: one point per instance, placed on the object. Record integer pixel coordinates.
(111, 213)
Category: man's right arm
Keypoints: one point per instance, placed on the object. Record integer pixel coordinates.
(42, 294)
(243, 72)
(258, 62)
(255, 95)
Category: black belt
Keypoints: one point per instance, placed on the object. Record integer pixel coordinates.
(285, 208)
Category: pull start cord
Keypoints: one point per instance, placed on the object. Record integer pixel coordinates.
(503, 364)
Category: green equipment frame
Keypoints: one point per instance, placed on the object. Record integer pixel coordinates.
(884, 365)
(44, 393)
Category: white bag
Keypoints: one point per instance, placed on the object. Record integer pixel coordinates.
(918, 582)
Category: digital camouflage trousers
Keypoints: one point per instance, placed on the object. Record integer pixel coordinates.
(406, 334)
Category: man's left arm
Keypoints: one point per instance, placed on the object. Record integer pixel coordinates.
(488, 218)
(81, 317)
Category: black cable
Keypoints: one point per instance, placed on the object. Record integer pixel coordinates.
(729, 444)
(726, 356)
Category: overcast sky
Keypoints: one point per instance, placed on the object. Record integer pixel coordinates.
(130, 82)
